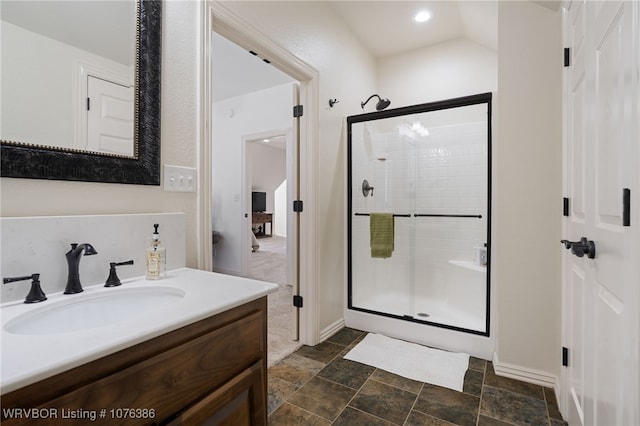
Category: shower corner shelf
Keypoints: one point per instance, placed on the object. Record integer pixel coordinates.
(469, 265)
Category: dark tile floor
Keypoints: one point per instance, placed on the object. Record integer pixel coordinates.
(317, 386)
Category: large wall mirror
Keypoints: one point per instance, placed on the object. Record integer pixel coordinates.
(80, 94)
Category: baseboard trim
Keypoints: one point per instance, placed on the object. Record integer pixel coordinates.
(524, 374)
(332, 329)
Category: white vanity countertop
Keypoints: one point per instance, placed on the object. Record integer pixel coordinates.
(28, 358)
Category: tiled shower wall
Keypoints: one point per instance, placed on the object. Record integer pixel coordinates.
(442, 173)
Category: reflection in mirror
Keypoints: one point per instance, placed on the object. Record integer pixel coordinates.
(430, 166)
(118, 160)
(68, 74)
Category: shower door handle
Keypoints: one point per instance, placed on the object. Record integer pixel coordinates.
(582, 247)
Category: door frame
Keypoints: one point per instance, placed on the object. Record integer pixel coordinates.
(217, 17)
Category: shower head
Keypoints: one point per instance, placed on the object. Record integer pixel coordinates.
(382, 103)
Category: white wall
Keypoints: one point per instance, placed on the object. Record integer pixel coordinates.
(313, 33)
(254, 114)
(280, 210)
(447, 70)
(528, 187)
(179, 121)
(269, 166)
(36, 71)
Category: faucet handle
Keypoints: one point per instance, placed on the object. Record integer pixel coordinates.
(36, 294)
(113, 280)
(366, 188)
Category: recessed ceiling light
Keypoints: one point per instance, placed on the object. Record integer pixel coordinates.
(422, 16)
(266, 140)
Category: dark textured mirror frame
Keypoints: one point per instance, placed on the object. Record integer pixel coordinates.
(34, 162)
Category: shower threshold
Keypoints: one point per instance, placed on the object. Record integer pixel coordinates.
(432, 311)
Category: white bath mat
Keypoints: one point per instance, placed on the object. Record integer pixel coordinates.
(413, 361)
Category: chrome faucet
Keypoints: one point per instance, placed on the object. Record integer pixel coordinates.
(73, 260)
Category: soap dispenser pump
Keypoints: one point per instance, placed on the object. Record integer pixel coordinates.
(156, 267)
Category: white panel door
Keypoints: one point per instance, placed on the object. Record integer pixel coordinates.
(575, 169)
(600, 294)
(109, 117)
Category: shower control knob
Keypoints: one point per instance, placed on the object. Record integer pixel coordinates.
(582, 247)
(366, 188)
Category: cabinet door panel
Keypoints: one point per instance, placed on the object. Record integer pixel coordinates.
(240, 402)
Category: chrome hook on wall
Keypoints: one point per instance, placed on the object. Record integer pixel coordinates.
(366, 188)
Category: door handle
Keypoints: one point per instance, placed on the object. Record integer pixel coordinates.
(582, 247)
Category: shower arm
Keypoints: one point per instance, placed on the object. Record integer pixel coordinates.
(362, 104)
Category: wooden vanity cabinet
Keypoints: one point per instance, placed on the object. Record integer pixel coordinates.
(210, 372)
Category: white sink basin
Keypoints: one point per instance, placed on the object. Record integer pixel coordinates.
(87, 311)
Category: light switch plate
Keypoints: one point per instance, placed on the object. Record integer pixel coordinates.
(179, 179)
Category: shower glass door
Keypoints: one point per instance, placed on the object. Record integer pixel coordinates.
(429, 166)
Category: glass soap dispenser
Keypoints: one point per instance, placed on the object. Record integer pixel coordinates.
(156, 257)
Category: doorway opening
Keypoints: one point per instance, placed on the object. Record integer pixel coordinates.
(216, 17)
(269, 166)
(254, 181)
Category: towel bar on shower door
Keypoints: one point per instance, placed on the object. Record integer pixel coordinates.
(394, 215)
(479, 216)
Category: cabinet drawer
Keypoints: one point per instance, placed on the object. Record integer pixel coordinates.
(173, 379)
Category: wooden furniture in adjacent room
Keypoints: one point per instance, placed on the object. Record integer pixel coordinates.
(263, 219)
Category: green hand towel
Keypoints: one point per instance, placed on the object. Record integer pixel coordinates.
(381, 233)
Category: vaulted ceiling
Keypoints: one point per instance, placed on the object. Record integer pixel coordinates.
(387, 27)
(384, 28)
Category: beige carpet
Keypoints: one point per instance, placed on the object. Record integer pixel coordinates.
(269, 263)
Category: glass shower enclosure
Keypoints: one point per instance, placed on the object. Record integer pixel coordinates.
(419, 183)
